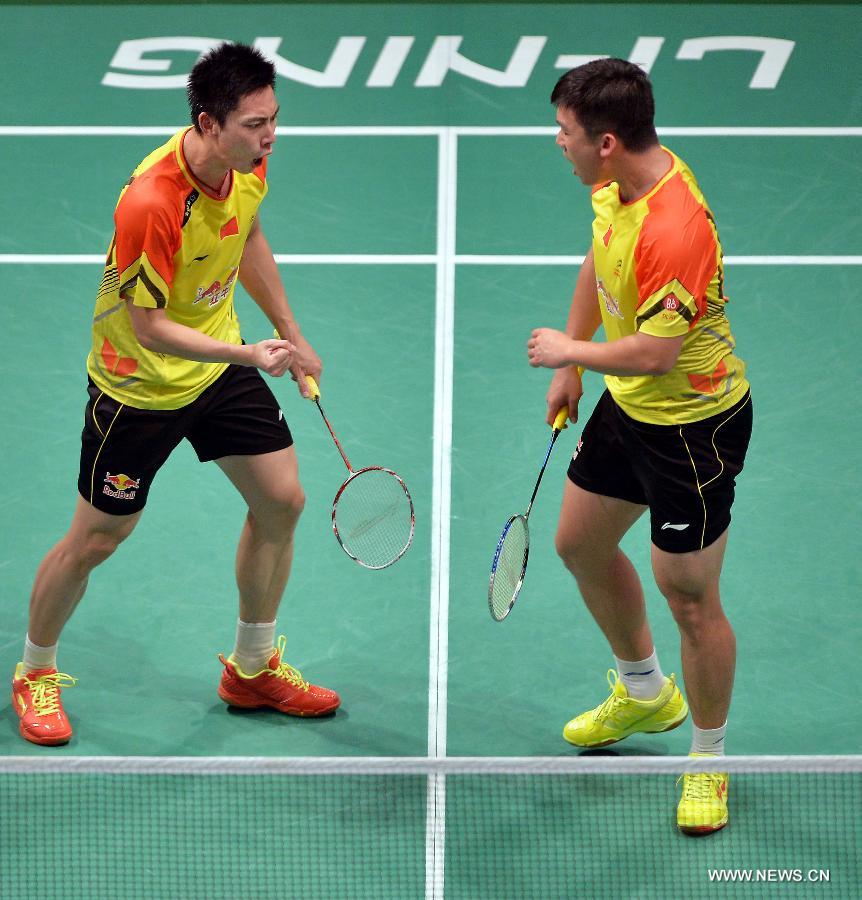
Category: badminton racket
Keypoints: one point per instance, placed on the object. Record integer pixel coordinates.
(372, 513)
(513, 549)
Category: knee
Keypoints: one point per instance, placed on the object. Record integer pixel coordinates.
(95, 548)
(564, 547)
(694, 611)
(293, 503)
(686, 611)
(572, 552)
(282, 512)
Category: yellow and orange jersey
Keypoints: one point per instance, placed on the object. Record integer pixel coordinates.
(176, 247)
(659, 270)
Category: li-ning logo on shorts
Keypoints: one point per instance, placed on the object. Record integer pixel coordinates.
(578, 448)
(121, 487)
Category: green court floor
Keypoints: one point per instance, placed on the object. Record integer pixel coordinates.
(406, 220)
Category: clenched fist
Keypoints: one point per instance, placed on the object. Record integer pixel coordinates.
(549, 348)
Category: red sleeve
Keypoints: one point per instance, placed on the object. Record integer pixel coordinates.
(677, 246)
(148, 223)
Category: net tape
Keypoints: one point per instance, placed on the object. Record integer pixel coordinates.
(413, 765)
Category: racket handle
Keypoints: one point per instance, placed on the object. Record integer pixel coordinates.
(312, 386)
(562, 419)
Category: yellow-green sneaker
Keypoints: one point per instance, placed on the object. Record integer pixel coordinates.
(703, 806)
(621, 715)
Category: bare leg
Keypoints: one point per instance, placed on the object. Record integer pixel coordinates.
(269, 483)
(690, 581)
(588, 535)
(62, 576)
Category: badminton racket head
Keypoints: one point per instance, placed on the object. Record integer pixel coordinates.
(509, 567)
(372, 517)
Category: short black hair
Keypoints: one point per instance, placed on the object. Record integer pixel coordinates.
(222, 77)
(610, 95)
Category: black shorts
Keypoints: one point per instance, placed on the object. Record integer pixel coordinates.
(685, 474)
(122, 447)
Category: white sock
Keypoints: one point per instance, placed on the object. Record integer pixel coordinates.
(254, 645)
(643, 679)
(36, 657)
(708, 740)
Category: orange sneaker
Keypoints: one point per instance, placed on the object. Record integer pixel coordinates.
(278, 685)
(36, 698)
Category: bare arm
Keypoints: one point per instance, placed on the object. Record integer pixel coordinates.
(583, 322)
(259, 275)
(156, 332)
(584, 314)
(636, 354)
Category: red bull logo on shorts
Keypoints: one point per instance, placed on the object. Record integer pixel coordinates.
(122, 487)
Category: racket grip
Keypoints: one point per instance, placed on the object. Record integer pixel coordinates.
(312, 386)
(562, 419)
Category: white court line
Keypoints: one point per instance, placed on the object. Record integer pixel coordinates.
(370, 259)
(531, 260)
(793, 260)
(438, 666)
(431, 130)
(293, 130)
(676, 131)
(427, 259)
(763, 131)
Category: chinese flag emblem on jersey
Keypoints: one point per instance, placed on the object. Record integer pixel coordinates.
(229, 228)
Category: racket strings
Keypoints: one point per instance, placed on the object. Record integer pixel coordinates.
(373, 517)
(509, 567)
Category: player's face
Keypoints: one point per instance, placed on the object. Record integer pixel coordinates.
(578, 147)
(248, 133)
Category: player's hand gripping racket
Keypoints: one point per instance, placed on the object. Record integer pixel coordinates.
(372, 513)
(513, 549)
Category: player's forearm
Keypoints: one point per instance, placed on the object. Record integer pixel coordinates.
(584, 313)
(636, 354)
(259, 275)
(159, 334)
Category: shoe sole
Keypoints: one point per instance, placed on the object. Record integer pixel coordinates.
(610, 741)
(301, 713)
(700, 830)
(44, 742)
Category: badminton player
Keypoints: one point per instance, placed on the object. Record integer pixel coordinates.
(668, 435)
(167, 362)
